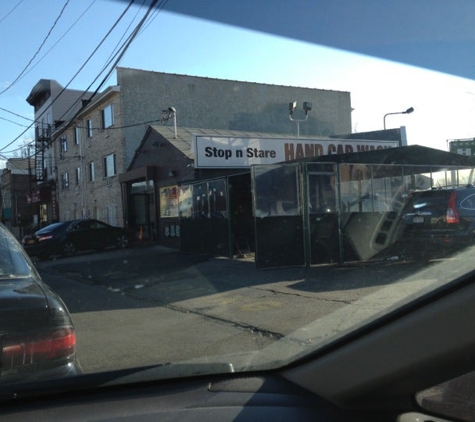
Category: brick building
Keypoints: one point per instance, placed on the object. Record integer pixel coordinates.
(16, 199)
(90, 154)
(98, 143)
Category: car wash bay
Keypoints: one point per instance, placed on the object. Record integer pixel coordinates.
(328, 209)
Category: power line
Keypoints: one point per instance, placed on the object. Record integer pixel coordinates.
(11, 11)
(60, 38)
(38, 50)
(44, 55)
(11, 121)
(70, 81)
(125, 47)
(90, 57)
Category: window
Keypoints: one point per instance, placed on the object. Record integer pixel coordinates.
(65, 180)
(77, 135)
(109, 166)
(108, 116)
(78, 175)
(92, 175)
(169, 201)
(89, 128)
(64, 143)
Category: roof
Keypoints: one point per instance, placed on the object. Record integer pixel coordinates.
(409, 155)
(184, 137)
(20, 164)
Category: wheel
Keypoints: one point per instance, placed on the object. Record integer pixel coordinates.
(122, 241)
(69, 249)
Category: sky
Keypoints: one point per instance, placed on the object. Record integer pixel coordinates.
(62, 40)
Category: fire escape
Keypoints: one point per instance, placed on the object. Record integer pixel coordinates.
(42, 142)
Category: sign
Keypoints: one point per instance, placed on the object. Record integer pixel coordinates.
(233, 152)
(462, 146)
(40, 194)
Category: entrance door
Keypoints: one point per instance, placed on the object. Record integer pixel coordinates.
(278, 215)
(141, 212)
(323, 243)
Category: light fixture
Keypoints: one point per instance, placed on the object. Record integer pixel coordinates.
(408, 111)
(307, 106)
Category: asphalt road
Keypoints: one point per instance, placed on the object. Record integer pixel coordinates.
(152, 305)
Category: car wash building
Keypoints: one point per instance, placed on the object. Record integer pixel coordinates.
(292, 201)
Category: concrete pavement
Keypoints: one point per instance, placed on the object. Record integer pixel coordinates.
(273, 302)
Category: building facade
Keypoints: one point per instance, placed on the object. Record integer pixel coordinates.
(226, 105)
(16, 196)
(85, 154)
(53, 105)
(90, 157)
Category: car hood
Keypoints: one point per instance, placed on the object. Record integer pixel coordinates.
(23, 305)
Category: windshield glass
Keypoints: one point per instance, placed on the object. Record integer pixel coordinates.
(239, 196)
(13, 263)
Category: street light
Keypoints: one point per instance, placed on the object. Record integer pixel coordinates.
(307, 106)
(408, 111)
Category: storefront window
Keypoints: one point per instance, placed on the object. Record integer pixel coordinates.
(141, 187)
(169, 202)
(186, 201)
(217, 199)
(276, 190)
(204, 200)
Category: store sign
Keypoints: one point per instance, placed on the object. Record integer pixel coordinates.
(233, 152)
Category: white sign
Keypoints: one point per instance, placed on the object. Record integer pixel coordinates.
(232, 152)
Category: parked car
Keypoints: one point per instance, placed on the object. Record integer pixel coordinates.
(69, 237)
(37, 336)
(436, 222)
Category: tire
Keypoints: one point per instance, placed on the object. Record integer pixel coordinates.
(122, 241)
(69, 249)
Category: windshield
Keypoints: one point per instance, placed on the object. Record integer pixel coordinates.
(240, 195)
(13, 264)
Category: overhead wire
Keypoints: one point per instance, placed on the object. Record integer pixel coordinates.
(74, 104)
(38, 50)
(70, 81)
(120, 52)
(60, 38)
(44, 55)
(11, 11)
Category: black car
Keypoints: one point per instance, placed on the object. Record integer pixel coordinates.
(69, 237)
(37, 336)
(436, 222)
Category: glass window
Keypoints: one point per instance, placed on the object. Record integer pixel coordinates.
(108, 116)
(77, 135)
(217, 199)
(109, 166)
(89, 128)
(64, 143)
(169, 201)
(78, 175)
(92, 175)
(276, 190)
(185, 201)
(65, 180)
(200, 200)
